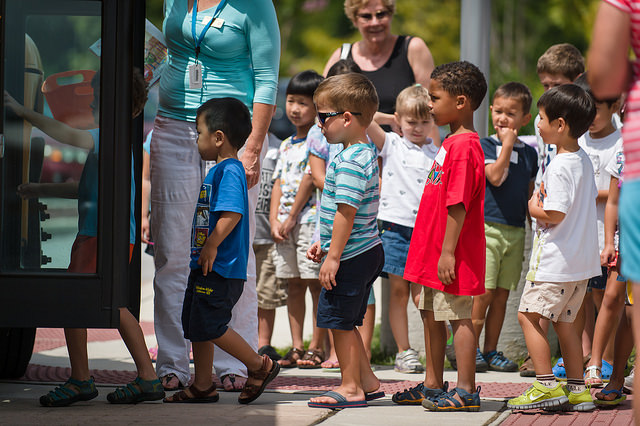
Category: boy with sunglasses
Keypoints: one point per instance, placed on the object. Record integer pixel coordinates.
(348, 233)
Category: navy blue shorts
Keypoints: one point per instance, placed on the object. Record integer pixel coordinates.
(208, 301)
(395, 242)
(344, 306)
(599, 282)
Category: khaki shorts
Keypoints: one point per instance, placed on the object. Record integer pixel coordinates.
(290, 256)
(272, 291)
(555, 301)
(505, 253)
(445, 306)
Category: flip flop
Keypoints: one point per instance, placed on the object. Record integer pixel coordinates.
(341, 402)
(610, 403)
(332, 366)
(373, 395)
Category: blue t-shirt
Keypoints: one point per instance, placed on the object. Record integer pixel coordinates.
(88, 194)
(223, 190)
(507, 203)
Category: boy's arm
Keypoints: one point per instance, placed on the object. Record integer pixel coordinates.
(447, 262)
(55, 129)
(276, 195)
(318, 171)
(146, 190)
(603, 194)
(498, 171)
(551, 217)
(224, 226)
(302, 196)
(376, 134)
(342, 226)
(532, 186)
(610, 223)
(56, 190)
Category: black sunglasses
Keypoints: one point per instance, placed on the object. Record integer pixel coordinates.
(322, 116)
(380, 15)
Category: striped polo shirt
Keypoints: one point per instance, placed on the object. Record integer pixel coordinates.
(352, 179)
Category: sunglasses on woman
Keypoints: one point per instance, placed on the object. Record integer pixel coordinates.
(380, 15)
(322, 116)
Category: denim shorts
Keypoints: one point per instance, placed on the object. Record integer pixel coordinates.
(344, 306)
(395, 242)
(208, 301)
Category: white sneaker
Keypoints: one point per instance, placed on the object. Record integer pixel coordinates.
(408, 362)
(628, 381)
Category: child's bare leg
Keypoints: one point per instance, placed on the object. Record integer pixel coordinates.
(435, 339)
(585, 323)
(398, 299)
(537, 344)
(370, 382)
(608, 318)
(623, 347)
(232, 343)
(570, 348)
(78, 358)
(296, 310)
(350, 352)
(318, 333)
(464, 343)
(133, 337)
(415, 293)
(479, 313)
(266, 320)
(366, 329)
(203, 364)
(495, 319)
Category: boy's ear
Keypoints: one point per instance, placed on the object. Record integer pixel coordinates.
(562, 125)
(219, 137)
(526, 119)
(461, 101)
(396, 118)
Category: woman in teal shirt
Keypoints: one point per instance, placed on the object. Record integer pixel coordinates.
(224, 48)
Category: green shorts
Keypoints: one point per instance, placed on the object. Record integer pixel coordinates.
(505, 254)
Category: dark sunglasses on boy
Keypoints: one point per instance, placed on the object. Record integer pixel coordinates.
(322, 116)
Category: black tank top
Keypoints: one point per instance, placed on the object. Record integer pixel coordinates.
(395, 75)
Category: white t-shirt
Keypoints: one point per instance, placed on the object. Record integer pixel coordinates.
(615, 166)
(601, 151)
(567, 251)
(405, 166)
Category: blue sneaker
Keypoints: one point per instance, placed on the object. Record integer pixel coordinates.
(559, 371)
(481, 363)
(498, 362)
(447, 401)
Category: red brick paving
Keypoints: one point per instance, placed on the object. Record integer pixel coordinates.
(51, 338)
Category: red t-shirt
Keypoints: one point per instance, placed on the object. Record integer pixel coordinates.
(457, 176)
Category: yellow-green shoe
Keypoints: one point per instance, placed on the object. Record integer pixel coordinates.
(539, 396)
(580, 401)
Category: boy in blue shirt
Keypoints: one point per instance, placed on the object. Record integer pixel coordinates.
(219, 253)
(348, 234)
(510, 167)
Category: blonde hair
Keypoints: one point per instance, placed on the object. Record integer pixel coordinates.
(349, 92)
(351, 7)
(564, 59)
(414, 102)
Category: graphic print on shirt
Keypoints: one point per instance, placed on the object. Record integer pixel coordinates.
(201, 220)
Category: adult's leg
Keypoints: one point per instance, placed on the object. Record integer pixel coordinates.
(176, 174)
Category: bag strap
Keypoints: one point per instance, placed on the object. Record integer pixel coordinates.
(346, 48)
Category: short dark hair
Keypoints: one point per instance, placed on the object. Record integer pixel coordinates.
(517, 91)
(583, 82)
(304, 83)
(462, 78)
(571, 103)
(343, 66)
(228, 115)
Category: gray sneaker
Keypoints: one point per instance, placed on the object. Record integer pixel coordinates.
(408, 362)
(628, 381)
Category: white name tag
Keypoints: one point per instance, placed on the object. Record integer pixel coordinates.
(195, 76)
(442, 153)
(514, 154)
(217, 23)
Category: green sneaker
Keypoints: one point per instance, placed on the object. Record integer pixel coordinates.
(539, 396)
(580, 401)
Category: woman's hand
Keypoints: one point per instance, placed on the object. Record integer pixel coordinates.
(251, 162)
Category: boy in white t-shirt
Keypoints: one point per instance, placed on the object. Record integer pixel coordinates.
(406, 161)
(565, 252)
(600, 144)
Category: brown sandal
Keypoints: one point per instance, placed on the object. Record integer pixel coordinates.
(252, 391)
(316, 356)
(291, 358)
(197, 396)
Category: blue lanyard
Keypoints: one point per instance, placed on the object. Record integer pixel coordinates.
(198, 40)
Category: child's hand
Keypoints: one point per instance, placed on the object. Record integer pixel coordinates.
(207, 257)
(315, 253)
(328, 272)
(447, 268)
(13, 104)
(286, 227)
(506, 135)
(608, 255)
(145, 229)
(275, 231)
(29, 190)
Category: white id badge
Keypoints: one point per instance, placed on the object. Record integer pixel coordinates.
(195, 76)
(217, 23)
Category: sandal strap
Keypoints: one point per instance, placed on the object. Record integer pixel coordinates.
(447, 400)
(197, 393)
(263, 372)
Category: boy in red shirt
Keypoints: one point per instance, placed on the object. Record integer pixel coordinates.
(447, 251)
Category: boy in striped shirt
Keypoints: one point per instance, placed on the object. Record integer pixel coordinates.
(348, 233)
